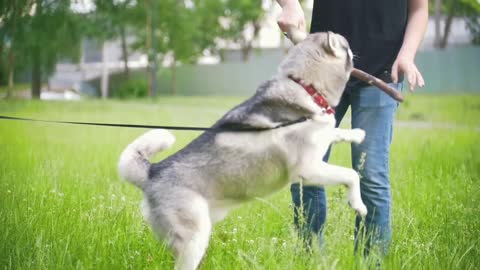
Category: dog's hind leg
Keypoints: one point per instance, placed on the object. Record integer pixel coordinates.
(327, 174)
(190, 236)
(184, 223)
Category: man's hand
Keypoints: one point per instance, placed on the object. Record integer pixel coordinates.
(292, 15)
(405, 65)
(416, 26)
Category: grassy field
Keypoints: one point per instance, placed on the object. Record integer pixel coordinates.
(63, 206)
(16, 88)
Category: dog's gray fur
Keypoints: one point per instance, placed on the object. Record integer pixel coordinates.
(185, 194)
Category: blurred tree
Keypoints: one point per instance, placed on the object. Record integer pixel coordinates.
(467, 9)
(42, 31)
(110, 20)
(191, 29)
(53, 32)
(472, 12)
(437, 10)
(240, 17)
(473, 24)
(176, 31)
(142, 18)
(11, 30)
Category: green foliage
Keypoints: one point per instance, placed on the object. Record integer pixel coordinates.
(467, 9)
(179, 32)
(12, 29)
(135, 88)
(473, 24)
(186, 30)
(54, 32)
(39, 34)
(470, 9)
(240, 14)
(459, 7)
(472, 5)
(207, 16)
(35, 35)
(109, 17)
(182, 30)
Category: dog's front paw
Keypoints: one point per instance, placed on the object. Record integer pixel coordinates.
(357, 204)
(358, 135)
(361, 210)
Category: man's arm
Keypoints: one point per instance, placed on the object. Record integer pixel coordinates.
(292, 15)
(416, 26)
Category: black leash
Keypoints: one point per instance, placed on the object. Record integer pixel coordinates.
(232, 128)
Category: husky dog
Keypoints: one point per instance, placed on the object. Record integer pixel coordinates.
(275, 138)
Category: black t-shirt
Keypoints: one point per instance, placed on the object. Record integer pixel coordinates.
(373, 28)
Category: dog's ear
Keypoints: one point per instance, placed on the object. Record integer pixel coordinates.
(331, 45)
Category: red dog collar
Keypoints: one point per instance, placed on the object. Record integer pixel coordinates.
(317, 97)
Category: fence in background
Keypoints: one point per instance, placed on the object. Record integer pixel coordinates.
(455, 69)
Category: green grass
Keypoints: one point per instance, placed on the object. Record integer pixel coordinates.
(453, 109)
(63, 206)
(16, 87)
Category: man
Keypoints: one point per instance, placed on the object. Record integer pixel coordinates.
(384, 37)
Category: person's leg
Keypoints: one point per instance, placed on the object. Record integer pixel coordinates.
(310, 203)
(374, 112)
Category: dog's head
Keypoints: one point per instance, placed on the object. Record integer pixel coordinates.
(323, 60)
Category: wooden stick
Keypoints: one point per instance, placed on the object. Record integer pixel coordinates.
(372, 80)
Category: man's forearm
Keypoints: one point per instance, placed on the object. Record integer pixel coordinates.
(416, 26)
(291, 16)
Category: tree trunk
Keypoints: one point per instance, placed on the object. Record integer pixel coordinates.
(3, 68)
(123, 39)
(105, 71)
(438, 14)
(153, 17)
(248, 44)
(11, 72)
(173, 82)
(448, 24)
(246, 49)
(148, 46)
(36, 74)
(37, 61)
(11, 54)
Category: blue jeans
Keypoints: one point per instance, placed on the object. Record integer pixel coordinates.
(374, 112)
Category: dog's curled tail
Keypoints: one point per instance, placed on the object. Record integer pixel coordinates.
(134, 161)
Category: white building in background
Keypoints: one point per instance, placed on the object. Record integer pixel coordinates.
(100, 60)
